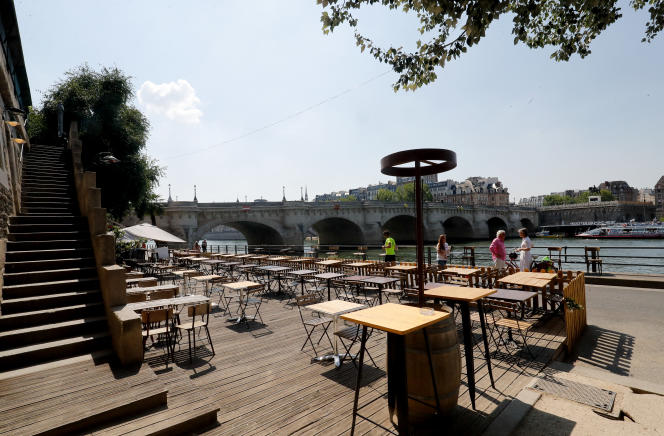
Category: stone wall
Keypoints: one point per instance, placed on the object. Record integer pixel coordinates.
(608, 211)
(6, 210)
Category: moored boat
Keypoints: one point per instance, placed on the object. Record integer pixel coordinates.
(625, 231)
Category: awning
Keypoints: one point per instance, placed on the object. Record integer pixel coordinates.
(148, 231)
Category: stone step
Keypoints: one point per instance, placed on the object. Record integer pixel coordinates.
(49, 332)
(37, 255)
(48, 288)
(47, 245)
(29, 188)
(47, 236)
(45, 219)
(53, 350)
(52, 301)
(55, 193)
(47, 211)
(48, 264)
(53, 275)
(49, 316)
(46, 170)
(48, 227)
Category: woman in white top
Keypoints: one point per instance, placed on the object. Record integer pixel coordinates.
(525, 255)
(442, 251)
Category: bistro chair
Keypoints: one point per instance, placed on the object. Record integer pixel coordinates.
(349, 336)
(555, 254)
(199, 310)
(158, 322)
(136, 297)
(591, 255)
(501, 317)
(310, 323)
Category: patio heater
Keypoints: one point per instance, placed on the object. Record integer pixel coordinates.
(426, 161)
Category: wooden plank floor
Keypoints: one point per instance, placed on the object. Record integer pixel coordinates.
(59, 395)
(263, 383)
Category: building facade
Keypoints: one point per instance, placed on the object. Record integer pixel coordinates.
(474, 191)
(659, 197)
(621, 190)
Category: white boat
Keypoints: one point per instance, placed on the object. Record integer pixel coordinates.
(625, 231)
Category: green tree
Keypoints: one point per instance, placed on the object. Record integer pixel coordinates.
(569, 26)
(348, 198)
(406, 192)
(606, 195)
(386, 195)
(101, 102)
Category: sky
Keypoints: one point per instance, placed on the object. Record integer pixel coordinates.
(245, 98)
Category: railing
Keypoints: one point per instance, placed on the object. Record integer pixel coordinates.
(636, 258)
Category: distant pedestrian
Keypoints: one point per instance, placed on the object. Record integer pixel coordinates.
(390, 247)
(442, 251)
(204, 245)
(525, 255)
(197, 247)
(497, 249)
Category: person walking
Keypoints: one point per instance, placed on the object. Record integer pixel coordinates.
(442, 251)
(497, 249)
(204, 245)
(197, 248)
(390, 247)
(525, 255)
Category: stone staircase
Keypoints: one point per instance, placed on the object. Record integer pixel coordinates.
(51, 304)
(57, 375)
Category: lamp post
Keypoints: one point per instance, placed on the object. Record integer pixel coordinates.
(435, 161)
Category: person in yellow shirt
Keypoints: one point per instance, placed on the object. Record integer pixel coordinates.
(390, 247)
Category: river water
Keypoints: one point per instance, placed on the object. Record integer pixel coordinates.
(636, 255)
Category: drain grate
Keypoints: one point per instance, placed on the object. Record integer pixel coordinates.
(579, 392)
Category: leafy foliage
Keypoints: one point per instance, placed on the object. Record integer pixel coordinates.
(556, 199)
(567, 25)
(100, 101)
(123, 248)
(404, 193)
(386, 195)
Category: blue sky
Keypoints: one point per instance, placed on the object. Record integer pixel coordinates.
(209, 72)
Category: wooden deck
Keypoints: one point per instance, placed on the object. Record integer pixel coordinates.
(263, 384)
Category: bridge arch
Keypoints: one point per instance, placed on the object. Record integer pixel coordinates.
(525, 222)
(338, 231)
(402, 228)
(494, 224)
(458, 229)
(254, 232)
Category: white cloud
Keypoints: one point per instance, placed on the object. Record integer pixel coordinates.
(176, 100)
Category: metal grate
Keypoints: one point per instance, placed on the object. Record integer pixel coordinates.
(579, 392)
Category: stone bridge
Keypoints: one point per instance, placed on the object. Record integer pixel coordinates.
(344, 223)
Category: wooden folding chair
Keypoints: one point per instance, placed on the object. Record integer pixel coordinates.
(158, 322)
(311, 323)
(500, 322)
(201, 310)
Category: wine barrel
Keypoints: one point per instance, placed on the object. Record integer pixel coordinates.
(446, 360)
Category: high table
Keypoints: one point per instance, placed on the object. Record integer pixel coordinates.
(328, 277)
(334, 308)
(531, 280)
(246, 268)
(277, 270)
(359, 266)
(244, 257)
(248, 288)
(166, 302)
(329, 263)
(464, 296)
(468, 273)
(514, 296)
(380, 282)
(302, 275)
(229, 266)
(214, 264)
(402, 268)
(207, 279)
(397, 320)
